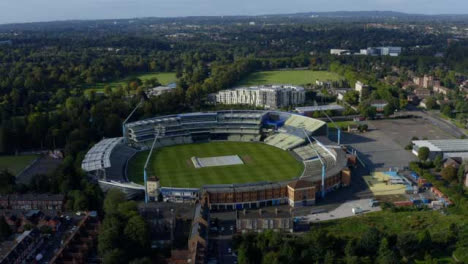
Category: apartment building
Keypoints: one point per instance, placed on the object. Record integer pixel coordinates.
(270, 97)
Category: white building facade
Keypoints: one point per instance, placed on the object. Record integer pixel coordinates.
(270, 97)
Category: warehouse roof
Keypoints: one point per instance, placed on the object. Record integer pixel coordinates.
(319, 108)
(444, 145)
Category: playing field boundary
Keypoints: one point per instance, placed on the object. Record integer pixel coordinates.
(170, 164)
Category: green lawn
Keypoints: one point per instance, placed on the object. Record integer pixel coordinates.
(15, 164)
(163, 77)
(299, 77)
(174, 168)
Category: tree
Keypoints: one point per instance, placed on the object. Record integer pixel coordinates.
(5, 230)
(145, 260)
(137, 231)
(113, 198)
(438, 162)
(449, 173)
(461, 173)
(368, 111)
(351, 97)
(389, 110)
(430, 103)
(425, 241)
(108, 239)
(423, 153)
(407, 243)
(446, 110)
(7, 182)
(385, 254)
(329, 257)
(270, 258)
(369, 242)
(128, 209)
(114, 256)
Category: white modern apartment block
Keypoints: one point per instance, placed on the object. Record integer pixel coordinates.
(340, 52)
(381, 51)
(270, 97)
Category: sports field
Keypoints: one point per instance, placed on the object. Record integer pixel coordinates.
(163, 77)
(295, 77)
(174, 168)
(15, 164)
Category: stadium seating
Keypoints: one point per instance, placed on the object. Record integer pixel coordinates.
(118, 159)
(284, 141)
(306, 152)
(231, 125)
(312, 163)
(303, 122)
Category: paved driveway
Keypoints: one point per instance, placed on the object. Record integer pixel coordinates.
(342, 211)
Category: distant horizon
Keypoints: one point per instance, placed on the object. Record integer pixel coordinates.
(33, 11)
(231, 15)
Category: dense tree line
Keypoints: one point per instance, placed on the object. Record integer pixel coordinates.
(372, 246)
(124, 235)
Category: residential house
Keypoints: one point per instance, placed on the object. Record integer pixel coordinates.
(265, 219)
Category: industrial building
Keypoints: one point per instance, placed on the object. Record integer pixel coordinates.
(448, 148)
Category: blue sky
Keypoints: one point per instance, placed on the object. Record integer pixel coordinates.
(47, 10)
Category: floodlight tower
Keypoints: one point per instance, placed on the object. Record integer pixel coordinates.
(124, 131)
(336, 126)
(159, 130)
(333, 122)
(324, 166)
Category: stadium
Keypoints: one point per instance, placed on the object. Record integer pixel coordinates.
(228, 159)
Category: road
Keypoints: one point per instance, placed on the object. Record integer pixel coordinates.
(222, 238)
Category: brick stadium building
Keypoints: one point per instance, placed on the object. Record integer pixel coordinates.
(295, 193)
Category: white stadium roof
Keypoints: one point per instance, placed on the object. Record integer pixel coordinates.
(98, 157)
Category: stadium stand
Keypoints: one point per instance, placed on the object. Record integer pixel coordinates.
(303, 122)
(118, 158)
(187, 128)
(306, 152)
(107, 160)
(284, 141)
(312, 168)
(98, 157)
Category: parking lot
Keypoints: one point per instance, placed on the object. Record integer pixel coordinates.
(382, 147)
(403, 130)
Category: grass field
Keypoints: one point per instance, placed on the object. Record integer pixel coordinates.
(163, 77)
(15, 164)
(174, 168)
(296, 77)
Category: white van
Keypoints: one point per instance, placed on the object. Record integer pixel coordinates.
(357, 210)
